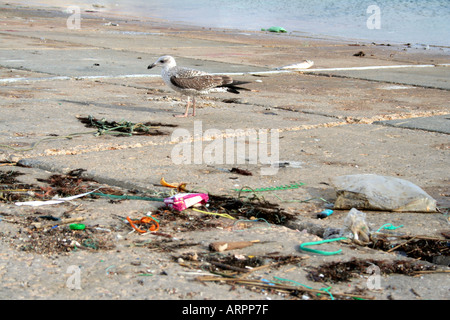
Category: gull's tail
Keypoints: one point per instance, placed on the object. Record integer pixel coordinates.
(235, 86)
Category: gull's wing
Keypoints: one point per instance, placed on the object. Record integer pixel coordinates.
(185, 78)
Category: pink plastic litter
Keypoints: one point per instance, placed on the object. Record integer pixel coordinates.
(182, 201)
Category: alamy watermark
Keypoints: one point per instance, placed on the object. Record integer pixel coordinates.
(234, 146)
(374, 20)
(374, 280)
(73, 22)
(74, 280)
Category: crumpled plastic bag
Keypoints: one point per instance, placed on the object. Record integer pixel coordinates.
(375, 192)
(356, 223)
(355, 228)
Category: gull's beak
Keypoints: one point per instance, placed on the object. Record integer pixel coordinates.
(151, 66)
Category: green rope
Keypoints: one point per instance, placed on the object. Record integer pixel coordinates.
(126, 197)
(308, 287)
(286, 187)
(110, 267)
(327, 253)
(90, 243)
(293, 281)
(388, 226)
(327, 290)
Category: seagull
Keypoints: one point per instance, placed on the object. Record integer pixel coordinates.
(192, 83)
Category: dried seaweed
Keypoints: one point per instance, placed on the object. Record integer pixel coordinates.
(231, 264)
(344, 271)
(9, 177)
(61, 240)
(248, 208)
(65, 185)
(122, 128)
(11, 189)
(416, 247)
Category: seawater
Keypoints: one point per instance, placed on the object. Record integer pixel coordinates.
(399, 21)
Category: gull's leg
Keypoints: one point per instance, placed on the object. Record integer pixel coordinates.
(193, 106)
(187, 109)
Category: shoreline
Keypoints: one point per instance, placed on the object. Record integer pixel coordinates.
(130, 25)
(295, 34)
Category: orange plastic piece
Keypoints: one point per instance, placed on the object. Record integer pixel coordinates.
(144, 220)
(180, 187)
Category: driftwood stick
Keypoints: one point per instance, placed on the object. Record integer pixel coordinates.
(277, 286)
(230, 245)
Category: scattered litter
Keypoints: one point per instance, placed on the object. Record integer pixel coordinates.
(102, 229)
(182, 201)
(241, 171)
(216, 263)
(109, 268)
(287, 164)
(180, 187)
(355, 228)
(111, 24)
(77, 226)
(11, 189)
(224, 215)
(388, 226)
(355, 222)
(252, 208)
(126, 197)
(325, 214)
(60, 222)
(165, 245)
(70, 184)
(374, 192)
(61, 240)
(230, 245)
(294, 289)
(341, 271)
(243, 224)
(52, 218)
(147, 220)
(275, 29)
(327, 253)
(433, 250)
(50, 202)
(396, 87)
(306, 64)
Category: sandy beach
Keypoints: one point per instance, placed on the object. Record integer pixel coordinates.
(362, 108)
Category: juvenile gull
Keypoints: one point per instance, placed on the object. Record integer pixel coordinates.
(191, 82)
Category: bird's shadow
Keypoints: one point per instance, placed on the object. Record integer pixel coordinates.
(115, 107)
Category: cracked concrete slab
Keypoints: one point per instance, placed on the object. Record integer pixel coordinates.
(427, 77)
(436, 124)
